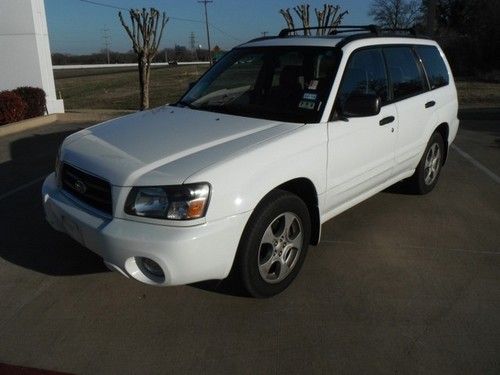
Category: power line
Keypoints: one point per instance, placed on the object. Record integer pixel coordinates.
(97, 3)
(127, 9)
(225, 32)
(102, 4)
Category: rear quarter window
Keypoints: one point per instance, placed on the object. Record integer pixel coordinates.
(434, 66)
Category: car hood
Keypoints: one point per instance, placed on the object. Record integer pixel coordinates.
(164, 146)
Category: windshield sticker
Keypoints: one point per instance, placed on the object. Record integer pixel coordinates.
(313, 85)
(309, 96)
(307, 104)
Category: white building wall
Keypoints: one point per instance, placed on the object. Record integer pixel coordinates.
(25, 58)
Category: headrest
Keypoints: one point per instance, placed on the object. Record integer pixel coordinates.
(290, 75)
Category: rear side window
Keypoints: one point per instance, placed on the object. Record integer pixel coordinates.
(364, 74)
(406, 77)
(434, 66)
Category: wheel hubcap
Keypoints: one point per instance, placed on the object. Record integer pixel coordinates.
(280, 247)
(432, 164)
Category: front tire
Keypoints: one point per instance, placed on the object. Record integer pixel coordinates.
(274, 244)
(428, 170)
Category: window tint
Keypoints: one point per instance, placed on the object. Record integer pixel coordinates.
(405, 75)
(364, 74)
(434, 66)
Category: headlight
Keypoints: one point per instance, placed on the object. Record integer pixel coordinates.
(183, 202)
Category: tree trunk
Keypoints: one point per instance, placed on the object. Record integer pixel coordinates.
(144, 82)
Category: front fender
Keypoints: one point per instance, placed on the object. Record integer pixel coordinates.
(240, 182)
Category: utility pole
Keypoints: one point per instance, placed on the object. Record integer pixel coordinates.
(205, 2)
(264, 33)
(107, 41)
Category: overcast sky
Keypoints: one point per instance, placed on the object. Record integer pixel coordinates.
(76, 26)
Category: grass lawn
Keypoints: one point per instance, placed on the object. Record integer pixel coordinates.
(474, 94)
(118, 88)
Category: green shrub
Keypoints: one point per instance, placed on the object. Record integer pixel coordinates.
(12, 107)
(34, 98)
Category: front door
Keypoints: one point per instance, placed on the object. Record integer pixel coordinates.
(361, 149)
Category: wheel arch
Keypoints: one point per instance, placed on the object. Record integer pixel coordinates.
(304, 188)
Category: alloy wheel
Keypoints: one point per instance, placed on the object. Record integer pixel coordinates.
(280, 247)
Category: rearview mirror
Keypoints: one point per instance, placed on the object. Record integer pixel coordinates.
(361, 105)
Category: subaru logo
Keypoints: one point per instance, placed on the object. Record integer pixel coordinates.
(80, 187)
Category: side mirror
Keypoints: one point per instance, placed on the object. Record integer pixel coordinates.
(361, 105)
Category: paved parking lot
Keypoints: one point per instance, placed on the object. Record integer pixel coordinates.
(400, 284)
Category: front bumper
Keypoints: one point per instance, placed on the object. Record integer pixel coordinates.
(185, 254)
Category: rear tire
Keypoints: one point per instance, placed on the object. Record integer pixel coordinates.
(274, 244)
(428, 170)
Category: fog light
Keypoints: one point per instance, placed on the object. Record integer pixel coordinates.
(152, 267)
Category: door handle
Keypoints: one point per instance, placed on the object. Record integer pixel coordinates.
(386, 120)
(430, 104)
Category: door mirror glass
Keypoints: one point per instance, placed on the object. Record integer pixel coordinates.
(361, 105)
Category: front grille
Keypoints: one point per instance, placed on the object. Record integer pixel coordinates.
(87, 188)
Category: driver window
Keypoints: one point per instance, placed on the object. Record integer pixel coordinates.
(365, 74)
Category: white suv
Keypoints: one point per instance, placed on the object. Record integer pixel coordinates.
(279, 136)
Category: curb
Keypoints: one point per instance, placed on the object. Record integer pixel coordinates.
(77, 117)
(31, 123)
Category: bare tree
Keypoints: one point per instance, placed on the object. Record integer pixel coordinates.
(328, 18)
(395, 14)
(145, 33)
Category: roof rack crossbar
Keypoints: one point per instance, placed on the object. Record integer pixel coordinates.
(334, 30)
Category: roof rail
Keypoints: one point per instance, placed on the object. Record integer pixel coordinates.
(373, 29)
(334, 29)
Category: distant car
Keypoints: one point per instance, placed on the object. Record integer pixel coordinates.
(241, 173)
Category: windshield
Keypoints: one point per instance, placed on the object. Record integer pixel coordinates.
(279, 83)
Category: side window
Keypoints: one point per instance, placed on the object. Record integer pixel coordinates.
(406, 77)
(434, 66)
(364, 74)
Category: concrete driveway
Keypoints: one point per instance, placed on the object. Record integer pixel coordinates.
(400, 284)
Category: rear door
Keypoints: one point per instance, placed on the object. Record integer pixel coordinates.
(442, 90)
(414, 102)
(361, 149)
